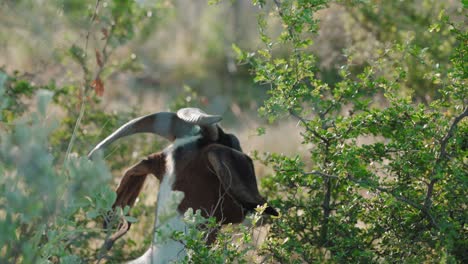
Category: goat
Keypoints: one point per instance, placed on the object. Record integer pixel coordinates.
(204, 163)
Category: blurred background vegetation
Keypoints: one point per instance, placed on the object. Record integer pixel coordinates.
(179, 44)
(105, 62)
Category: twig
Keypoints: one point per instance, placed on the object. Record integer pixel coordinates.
(110, 239)
(333, 104)
(314, 172)
(93, 18)
(367, 185)
(318, 173)
(443, 144)
(86, 81)
(304, 122)
(105, 54)
(398, 197)
(326, 213)
(281, 14)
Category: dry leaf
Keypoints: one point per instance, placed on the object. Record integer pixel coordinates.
(98, 87)
(98, 58)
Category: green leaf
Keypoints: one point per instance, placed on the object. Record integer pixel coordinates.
(92, 214)
(131, 219)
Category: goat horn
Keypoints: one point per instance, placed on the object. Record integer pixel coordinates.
(198, 117)
(165, 124)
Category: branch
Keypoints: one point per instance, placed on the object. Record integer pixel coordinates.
(333, 104)
(388, 191)
(314, 172)
(105, 54)
(304, 122)
(399, 197)
(110, 240)
(93, 18)
(87, 82)
(281, 14)
(443, 144)
(326, 213)
(321, 174)
(443, 156)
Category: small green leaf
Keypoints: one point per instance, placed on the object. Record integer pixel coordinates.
(92, 214)
(131, 219)
(261, 131)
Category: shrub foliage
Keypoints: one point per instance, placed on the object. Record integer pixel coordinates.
(385, 176)
(384, 179)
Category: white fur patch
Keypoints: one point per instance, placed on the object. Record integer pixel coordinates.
(164, 249)
(179, 142)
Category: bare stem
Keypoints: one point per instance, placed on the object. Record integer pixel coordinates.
(84, 86)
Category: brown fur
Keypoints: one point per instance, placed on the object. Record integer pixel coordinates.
(217, 180)
(134, 178)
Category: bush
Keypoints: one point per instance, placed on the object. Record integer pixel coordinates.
(44, 203)
(385, 177)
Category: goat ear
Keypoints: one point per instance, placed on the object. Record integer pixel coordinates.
(236, 173)
(129, 188)
(131, 184)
